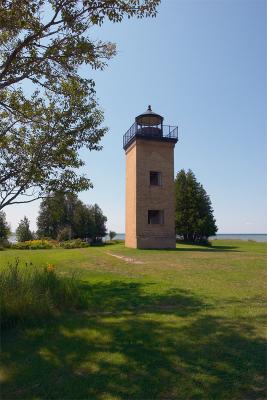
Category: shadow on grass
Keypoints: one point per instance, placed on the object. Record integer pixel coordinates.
(199, 248)
(189, 247)
(148, 347)
(123, 298)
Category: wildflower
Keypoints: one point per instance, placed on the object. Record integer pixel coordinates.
(50, 267)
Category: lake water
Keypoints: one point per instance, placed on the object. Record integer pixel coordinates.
(224, 236)
(259, 237)
(231, 236)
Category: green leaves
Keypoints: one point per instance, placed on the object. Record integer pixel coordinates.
(4, 227)
(48, 110)
(23, 231)
(194, 219)
(67, 211)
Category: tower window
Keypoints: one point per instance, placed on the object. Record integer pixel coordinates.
(155, 217)
(155, 178)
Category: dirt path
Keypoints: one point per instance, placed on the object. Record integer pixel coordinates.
(126, 259)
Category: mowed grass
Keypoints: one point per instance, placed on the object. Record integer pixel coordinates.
(181, 324)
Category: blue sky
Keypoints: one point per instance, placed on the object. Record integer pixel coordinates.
(203, 66)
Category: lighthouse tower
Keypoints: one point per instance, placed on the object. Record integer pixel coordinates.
(149, 148)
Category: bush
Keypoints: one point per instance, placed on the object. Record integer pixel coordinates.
(29, 294)
(34, 245)
(74, 244)
(49, 244)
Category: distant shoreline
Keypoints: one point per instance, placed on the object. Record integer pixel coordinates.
(257, 237)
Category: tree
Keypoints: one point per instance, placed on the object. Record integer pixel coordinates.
(56, 213)
(99, 223)
(64, 216)
(23, 231)
(82, 222)
(194, 220)
(111, 235)
(4, 227)
(43, 44)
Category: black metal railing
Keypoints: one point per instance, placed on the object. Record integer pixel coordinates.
(150, 132)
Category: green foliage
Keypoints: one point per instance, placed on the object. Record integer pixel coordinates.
(74, 244)
(23, 231)
(4, 228)
(45, 42)
(99, 223)
(64, 217)
(194, 220)
(29, 294)
(55, 214)
(111, 235)
(33, 245)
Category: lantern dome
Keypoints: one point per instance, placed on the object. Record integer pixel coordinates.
(149, 118)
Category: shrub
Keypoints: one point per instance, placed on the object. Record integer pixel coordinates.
(29, 294)
(74, 244)
(33, 245)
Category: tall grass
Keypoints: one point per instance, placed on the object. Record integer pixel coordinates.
(30, 294)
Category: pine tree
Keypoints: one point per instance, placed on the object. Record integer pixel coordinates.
(194, 220)
(23, 231)
(4, 227)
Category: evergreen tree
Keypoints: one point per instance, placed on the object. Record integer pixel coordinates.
(23, 231)
(4, 227)
(194, 220)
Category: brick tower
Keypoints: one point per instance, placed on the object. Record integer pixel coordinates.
(149, 147)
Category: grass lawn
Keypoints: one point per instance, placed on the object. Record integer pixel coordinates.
(181, 324)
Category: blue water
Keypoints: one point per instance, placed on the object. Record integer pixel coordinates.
(256, 237)
(224, 236)
(231, 236)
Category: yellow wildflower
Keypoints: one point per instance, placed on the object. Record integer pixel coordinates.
(50, 267)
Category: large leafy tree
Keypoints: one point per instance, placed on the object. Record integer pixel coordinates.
(99, 222)
(56, 213)
(64, 215)
(48, 109)
(194, 220)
